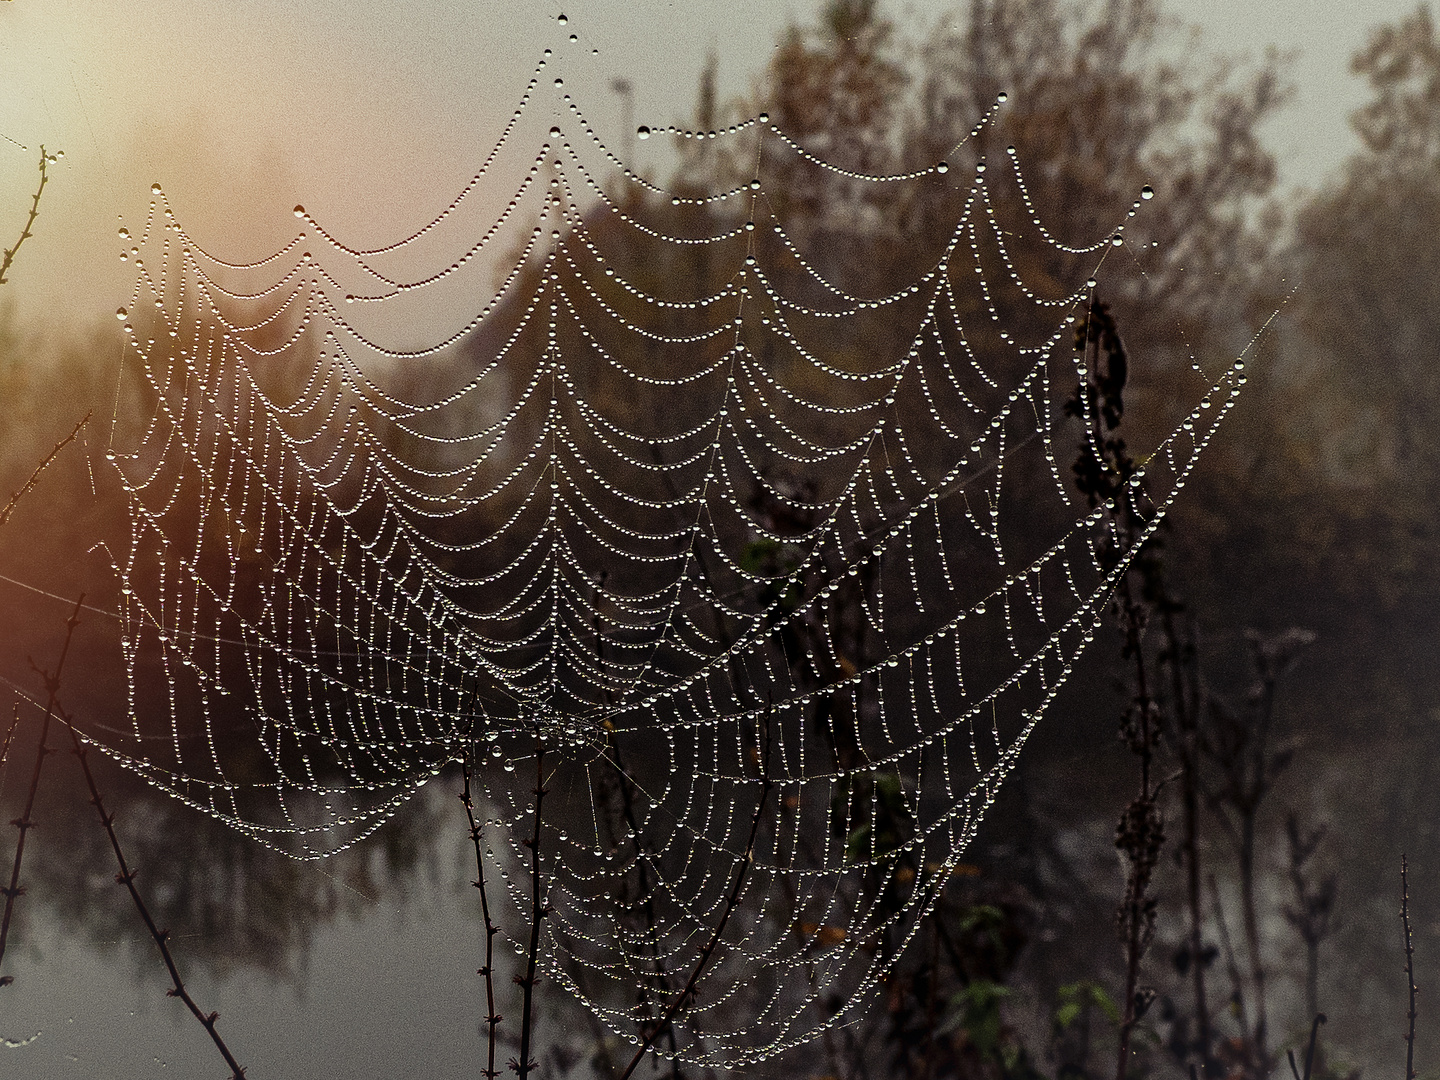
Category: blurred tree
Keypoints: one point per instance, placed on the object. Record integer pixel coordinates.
(1334, 438)
(838, 90)
(1095, 111)
(1370, 268)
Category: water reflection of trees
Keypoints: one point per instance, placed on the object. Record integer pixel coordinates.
(1345, 479)
(228, 902)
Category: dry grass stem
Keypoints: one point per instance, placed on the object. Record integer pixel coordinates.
(538, 911)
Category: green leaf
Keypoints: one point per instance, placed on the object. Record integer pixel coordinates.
(1067, 1014)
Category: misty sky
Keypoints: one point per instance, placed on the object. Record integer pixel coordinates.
(374, 114)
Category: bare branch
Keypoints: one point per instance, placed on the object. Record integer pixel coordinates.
(25, 233)
(126, 876)
(35, 476)
(9, 734)
(492, 1020)
(25, 821)
(538, 911)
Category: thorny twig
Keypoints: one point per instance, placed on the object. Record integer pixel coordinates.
(35, 476)
(24, 822)
(733, 899)
(492, 1020)
(126, 877)
(538, 911)
(25, 233)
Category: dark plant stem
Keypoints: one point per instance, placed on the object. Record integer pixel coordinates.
(126, 877)
(35, 476)
(931, 1001)
(1409, 968)
(627, 804)
(1107, 475)
(1310, 1052)
(1250, 913)
(1314, 904)
(25, 822)
(538, 911)
(9, 256)
(1232, 966)
(1186, 711)
(1252, 777)
(1140, 833)
(1236, 741)
(647, 905)
(731, 900)
(492, 1019)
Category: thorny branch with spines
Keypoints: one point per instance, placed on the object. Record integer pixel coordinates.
(9, 255)
(538, 910)
(492, 1019)
(25, 822)
(126, 875)
(26, 487)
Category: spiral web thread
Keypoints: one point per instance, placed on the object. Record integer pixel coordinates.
(679, 540)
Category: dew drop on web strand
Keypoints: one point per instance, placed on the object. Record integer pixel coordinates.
(458, 558)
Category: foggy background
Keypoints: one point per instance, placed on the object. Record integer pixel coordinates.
(373, 116)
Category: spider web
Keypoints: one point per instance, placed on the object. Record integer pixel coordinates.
(747, 562)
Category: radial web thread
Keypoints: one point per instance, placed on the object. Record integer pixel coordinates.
(687, 540)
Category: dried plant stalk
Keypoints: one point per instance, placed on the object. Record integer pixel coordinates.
(492, 1019)
(538, 911)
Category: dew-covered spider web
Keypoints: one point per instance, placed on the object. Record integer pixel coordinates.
(759, 560)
